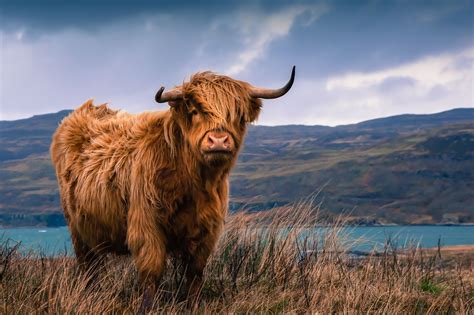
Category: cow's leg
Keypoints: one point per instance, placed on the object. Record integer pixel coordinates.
(150, 260)
(88, 259)
(150, 284)
(146, 239)
(83, 252)
(194, 273)
(150, 270)
(197, 260)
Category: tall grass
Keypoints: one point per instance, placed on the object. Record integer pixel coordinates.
(263, 264)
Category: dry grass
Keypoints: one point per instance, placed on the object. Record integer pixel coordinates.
(283, 266)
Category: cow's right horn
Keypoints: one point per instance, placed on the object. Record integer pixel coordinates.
(171, 95)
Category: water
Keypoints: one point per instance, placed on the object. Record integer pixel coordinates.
(50, 241)
(426, 236)
(53, 241)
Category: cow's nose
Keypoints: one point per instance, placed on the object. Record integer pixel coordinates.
(218, 142)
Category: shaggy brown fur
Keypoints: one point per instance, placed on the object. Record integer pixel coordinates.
(141, 184)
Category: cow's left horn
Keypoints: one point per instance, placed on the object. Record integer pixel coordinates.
(172, 95)
(273, 93)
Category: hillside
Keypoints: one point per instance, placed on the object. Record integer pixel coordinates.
(410, 169)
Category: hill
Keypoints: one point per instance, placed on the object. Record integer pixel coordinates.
(407, 169)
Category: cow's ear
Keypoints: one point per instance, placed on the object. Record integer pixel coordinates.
(172, 104)
(254, 109)
(178, 109)
(177, 105)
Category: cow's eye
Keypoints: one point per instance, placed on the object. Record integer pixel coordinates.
(194, 112)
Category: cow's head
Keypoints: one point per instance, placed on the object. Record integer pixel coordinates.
(213, 112)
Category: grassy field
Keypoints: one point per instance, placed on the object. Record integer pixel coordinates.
(282, 268)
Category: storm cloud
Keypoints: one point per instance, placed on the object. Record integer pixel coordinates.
(354, 61)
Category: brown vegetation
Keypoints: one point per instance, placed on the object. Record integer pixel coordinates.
(284, 267)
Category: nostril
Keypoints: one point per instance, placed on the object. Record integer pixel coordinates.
(224, 140)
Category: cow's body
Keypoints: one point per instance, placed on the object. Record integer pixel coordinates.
(123, 190)
(155, 183)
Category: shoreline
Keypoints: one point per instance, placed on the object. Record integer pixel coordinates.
(453, 248)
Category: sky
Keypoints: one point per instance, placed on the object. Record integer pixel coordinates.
(355, 60)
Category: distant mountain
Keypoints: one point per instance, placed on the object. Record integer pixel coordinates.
(457, 115)
(410, 169)
(21, 138)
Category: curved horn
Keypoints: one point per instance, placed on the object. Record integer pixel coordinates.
(171, 95)
(273, 93)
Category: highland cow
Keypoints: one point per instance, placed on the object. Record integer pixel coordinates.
(155, 183)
